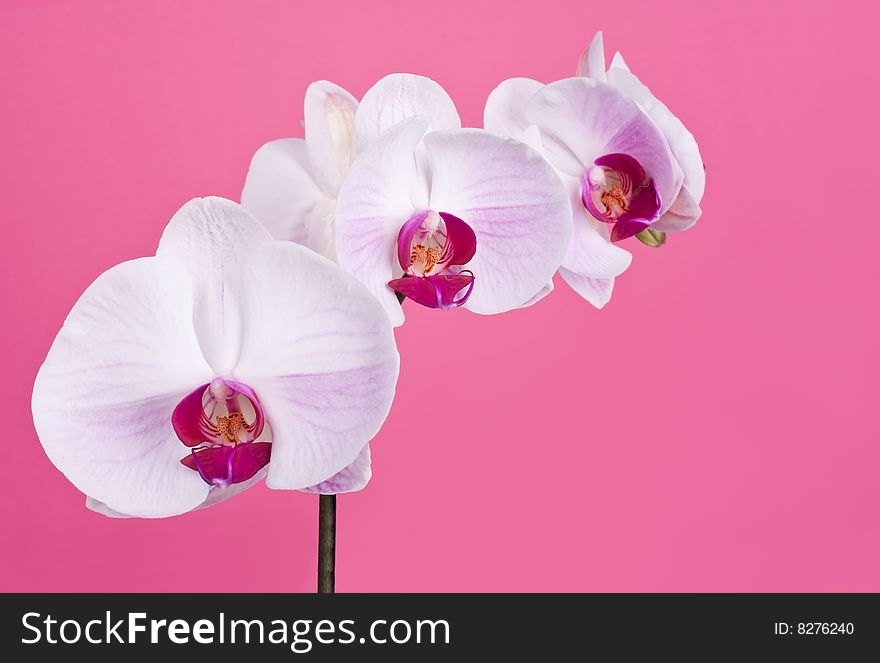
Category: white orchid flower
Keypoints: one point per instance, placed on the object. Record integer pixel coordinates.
(445, 216)
(179, 380)
(684, 211)
(629, 166)
(452, 218)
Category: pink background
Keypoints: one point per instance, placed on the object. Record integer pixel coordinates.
(714, 428)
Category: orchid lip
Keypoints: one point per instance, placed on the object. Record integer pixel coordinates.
(617, 191)
(432, 248)
(221, 422)
(224, 411)
(223, 466)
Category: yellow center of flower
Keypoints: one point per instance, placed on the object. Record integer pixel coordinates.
(428, 257)
(614, 197)
(229, 426)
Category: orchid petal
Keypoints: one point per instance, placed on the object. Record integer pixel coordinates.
(592, 62)
(327, 387)
(280, 191)
(580, 116)
(349, 479)
(617, 62)
(505, 108)
(99, 507)
(330, 135)
(538, 296)
(532, 137)
(590, 252)
(683, 214)
(209, 236)
(320, 225)
(382, 190)
(513, 201)
(103, 398)
(398, 97)
(681, 141)
(597, 291)
(216, 494)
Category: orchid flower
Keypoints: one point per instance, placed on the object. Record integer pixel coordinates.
(181, 379)
(293, 183)
(451, 218)
(612, 147)
(684, 210)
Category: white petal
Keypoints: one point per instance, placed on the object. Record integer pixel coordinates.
(215, 496)
(532, 137)
(591, 252)
(515, 204)
(348, 480)
(505, 108)
(99, 507)
(577, 118)
(398, 97)
(382, 190)
(103, 399)
(592, 62)
(595, 291)
(321, 228)
(617, 62)
(330, 133)
(319, 351)
(681, 141)
(209, 236)
(279, 190)
(683, 214)
(538, 296)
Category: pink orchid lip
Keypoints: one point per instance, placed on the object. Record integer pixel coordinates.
(431, 248)
(223, 466)
(443, 291)
(221, 421)
(617, 191)
(213, 414)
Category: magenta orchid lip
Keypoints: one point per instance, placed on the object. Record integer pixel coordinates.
(617, 191)
(431, 248)
(217, 413)
(220, 422)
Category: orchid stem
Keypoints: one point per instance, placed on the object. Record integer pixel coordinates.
(327, 544)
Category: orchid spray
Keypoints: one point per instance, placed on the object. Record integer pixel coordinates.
(235, 355)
